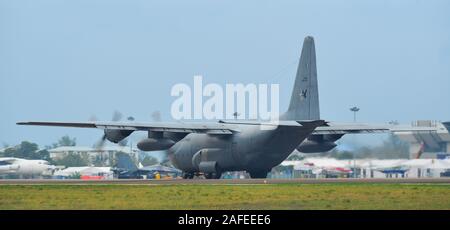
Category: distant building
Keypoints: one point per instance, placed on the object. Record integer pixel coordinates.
(105, 154)
(368, 168)
(430, 144)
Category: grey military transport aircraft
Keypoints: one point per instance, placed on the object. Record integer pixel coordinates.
(211, 148)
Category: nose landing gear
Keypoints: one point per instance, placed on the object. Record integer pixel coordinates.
(216, 175)
(188, 175)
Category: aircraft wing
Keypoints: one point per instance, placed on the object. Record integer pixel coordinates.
(397, 129)
(220, 127)
(349, 128)
(228, 127)
(301, 123)
(180, 127)
(341, 128)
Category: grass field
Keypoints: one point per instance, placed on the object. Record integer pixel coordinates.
(281, 196)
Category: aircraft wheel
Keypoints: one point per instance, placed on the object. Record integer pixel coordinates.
(216, 175)
(185, 175)
(261, 174)
(208, 175)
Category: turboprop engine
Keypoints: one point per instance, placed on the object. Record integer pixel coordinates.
(309, 146)
(155, 144)
(156, 141)
(116, 135)
(319, 143)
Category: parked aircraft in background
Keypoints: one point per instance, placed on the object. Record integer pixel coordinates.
(23, 167)
(127, 169)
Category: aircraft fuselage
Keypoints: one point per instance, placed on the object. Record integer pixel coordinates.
(251, 149)
(25, 167)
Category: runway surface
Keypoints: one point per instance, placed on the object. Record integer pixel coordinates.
(227, 181)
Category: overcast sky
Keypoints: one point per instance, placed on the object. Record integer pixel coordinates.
(69, 60)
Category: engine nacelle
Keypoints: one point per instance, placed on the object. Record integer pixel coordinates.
(309, 146)
(155, 144)
(116, 135)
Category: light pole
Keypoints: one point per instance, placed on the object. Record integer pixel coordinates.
(235, 115)
(354, 109)
(130, 119)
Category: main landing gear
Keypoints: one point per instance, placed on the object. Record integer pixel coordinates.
(190, 175)
(215, 175)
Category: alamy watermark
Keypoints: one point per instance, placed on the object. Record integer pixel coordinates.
(236, 101)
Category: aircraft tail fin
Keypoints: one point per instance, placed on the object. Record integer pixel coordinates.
(304, 104)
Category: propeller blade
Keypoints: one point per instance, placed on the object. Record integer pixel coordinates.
(100, 143)
(93, 118)
(117, 116)
(123, 142)
(166, 159)
(156, 116)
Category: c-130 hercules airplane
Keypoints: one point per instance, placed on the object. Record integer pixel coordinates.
(215, 147)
